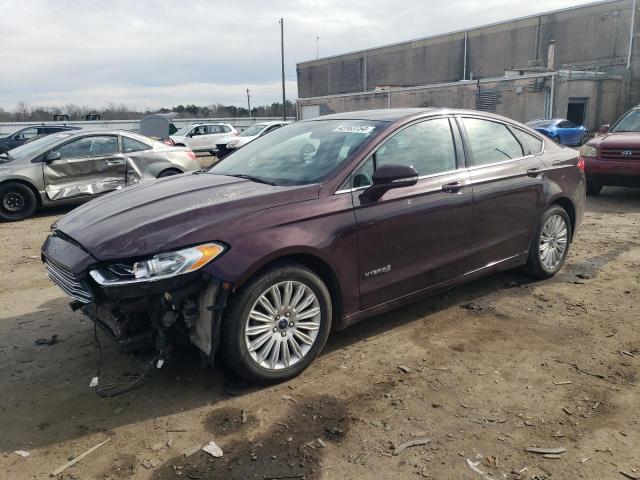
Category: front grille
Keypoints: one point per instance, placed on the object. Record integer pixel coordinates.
(68, 282)
(620, 155)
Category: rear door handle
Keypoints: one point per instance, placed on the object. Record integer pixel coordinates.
(452, 187)
(534, 172)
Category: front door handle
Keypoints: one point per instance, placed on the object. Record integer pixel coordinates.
(534, 172)
(114, 162)
(454, 187)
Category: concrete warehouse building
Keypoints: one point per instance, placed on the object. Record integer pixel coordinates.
(580, 63)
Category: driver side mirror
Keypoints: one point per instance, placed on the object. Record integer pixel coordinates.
(388, 177)
(51, 156)
(604, 128)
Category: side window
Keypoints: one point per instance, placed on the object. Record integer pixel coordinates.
(491, 142)
(530, 144)
(426, 146)
(26, 134)
(129, 145)
(226, 128)
(214, 129)
(566, 124)
(89, 147)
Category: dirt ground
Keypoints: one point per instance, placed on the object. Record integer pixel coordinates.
(482, 372)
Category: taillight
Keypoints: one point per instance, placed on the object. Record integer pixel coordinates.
(580, 164)
(191, 154)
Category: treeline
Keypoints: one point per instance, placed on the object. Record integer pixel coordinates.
(27, 113)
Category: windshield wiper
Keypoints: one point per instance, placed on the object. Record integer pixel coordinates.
(252, 178)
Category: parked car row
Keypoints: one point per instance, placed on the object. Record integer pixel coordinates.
(77, 165)
(314, 227)
(27, 134)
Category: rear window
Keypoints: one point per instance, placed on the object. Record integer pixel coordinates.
(530, 144)
(491, 142)
(540, 124)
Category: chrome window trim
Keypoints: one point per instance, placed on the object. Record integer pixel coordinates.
(432, 175)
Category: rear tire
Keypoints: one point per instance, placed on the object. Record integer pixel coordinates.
(593, 187)
(585, 138)
(168, 173)
(300, 325)
(557, 140)
(550, 243)
(17, 202)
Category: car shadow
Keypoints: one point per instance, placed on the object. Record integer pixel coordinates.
(615, 200)
(46, 398)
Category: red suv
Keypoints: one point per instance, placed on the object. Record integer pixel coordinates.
(614, 158)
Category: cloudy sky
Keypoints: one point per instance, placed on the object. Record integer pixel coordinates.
(150, 53)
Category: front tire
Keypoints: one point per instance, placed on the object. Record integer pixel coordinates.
(17, 202)
(276, 325)
(550, 243)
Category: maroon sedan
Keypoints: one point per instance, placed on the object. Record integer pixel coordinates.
(614, 158)
(316, 226)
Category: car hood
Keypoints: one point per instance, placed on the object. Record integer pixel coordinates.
(177, 138)
(616, 140)
(172, 212)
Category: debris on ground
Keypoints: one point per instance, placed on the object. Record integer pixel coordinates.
(244, 417)
(213, 449)
(472, 307)
(22, 453)
(79, 457)
(47, 341)
(411, 443)
(631, 475)
(546, 451)
(404, 368)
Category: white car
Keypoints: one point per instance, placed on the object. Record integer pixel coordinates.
(202, 137)
(228, 144)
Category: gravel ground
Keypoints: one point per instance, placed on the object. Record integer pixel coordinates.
(477, 374)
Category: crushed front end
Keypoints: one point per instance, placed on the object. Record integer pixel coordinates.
(148, 306)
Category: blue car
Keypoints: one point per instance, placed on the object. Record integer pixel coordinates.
(561, 131)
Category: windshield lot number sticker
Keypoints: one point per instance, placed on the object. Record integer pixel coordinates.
(363, 129)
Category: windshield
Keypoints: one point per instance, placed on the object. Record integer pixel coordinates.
(253, 131)
(540, 124)
(629, 123)
(300, 153)
(31, 149)
(184, 130)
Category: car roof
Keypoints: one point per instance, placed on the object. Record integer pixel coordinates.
(266, 124)
(395, 114)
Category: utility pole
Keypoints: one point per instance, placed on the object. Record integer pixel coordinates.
(317, 50)
(284, 104)
(249, 103)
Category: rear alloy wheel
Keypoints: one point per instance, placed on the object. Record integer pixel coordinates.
(593, 187)
(550, 244)
(557, 139)
(17, 202)
(276, 325)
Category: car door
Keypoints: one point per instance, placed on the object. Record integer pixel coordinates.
(413, 237)
(567, 131)
(507, 176)
(85, 166)
(198, 138)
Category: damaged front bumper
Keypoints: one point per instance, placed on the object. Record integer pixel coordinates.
(142, 317)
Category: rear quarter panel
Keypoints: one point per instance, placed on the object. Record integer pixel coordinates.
(563, 178)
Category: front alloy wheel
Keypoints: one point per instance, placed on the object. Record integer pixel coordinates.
(276, 324)
(282, 325)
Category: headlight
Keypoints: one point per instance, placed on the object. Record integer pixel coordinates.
(232, 144)
(160, 266)
(588, 151)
